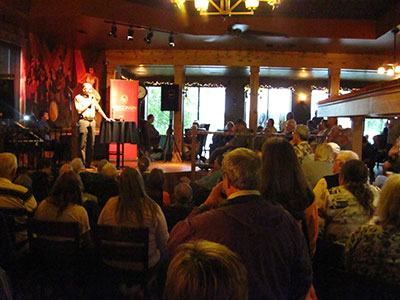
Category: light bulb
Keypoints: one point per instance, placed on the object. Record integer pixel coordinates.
(381, 70)
(397, 69)
(390, 72)
(201, 5)
(252, 4)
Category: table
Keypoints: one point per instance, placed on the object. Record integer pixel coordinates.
(119, 132)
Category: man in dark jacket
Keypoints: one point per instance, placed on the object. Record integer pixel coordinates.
(266, 237)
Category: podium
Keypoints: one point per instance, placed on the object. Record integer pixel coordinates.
(119, 132)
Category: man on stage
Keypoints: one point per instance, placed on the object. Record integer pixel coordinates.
(86, 105)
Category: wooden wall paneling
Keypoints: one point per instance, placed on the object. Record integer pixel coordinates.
(179, 78)
(334, 82)
(358, 130)
(254, 85)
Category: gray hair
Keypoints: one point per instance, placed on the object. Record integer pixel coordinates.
(77, 165)
(346, 155)
(242, 166)
(109, 170)
(323, 152)
(8, 164)
(183, 193)
(302, 131)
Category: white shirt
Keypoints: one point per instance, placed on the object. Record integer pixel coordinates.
(82, 101)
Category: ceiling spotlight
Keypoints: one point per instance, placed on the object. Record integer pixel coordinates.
(148, 37)
(171, 41)
(129, 37)
(113, 31)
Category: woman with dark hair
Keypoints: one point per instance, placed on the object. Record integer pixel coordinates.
(283, 183)
(154, 187)
(133, 207)
(350, 203)
(65, 203)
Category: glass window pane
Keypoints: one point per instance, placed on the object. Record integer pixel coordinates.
(191, 106)
(344, 122)
(374, 127)
(279, 104)
(153, 101)
(316, 96)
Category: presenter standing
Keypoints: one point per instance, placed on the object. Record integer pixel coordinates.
(86, 105)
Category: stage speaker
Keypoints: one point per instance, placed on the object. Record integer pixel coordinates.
(7, 98)
(170, 97)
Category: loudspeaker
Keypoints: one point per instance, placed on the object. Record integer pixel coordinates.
(170, 97)
(7, 99)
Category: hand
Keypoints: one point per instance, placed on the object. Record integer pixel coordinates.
(215, 196)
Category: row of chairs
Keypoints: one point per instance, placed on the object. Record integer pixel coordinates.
(55, 255)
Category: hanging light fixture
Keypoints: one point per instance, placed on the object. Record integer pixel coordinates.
(171, 41)
(148, 37)
(113, 31)
(391, 68)
(129, 36)
(226, 7)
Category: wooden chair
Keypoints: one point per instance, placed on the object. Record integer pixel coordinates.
(120, 246)
(14, 226)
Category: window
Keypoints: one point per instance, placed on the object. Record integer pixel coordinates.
(373, 127)
(272, 103)
(316, 96)
(153, 106)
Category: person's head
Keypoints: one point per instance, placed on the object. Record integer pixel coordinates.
(144, 163)
(45, 165)
(109, 171)
(217, 164)
(132, 197)
(77, 165)
(87, 88)
(300, 133)
(24, 180)
(379, 181)
(241, 170)
(240, 125)
(43, 115)
(290, 125)
(156, 179)
(8, 165)
(91, 70)
(229, 126)
(310, 124)
(101, 164)
(150, 118)
(66, 190)
(270, 123)
(196, 123)
(341, 158)
(65, 168)
(323, 125)
(389, 202)
(282, 179)
(354, 176)
(183, 193)
(335, 148)
(332, 121)
(323, 152)
(289, 116)
(206, 270)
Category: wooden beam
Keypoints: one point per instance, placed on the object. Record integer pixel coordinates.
(245, 58)
(179, 78)
(358, 129)
(334, 82)
(254, 85)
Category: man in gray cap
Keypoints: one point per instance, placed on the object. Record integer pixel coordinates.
(300, 142)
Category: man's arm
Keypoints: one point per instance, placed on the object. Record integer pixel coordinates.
(80, 108)
(98, 107)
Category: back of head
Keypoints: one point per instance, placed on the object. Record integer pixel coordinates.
(242, 166)
(282, 179)
(343, 157)
(66, 190)
(65, 168)
(144, 163)
(44, 163)
(206, 270)
(77, 165)
(109, 171)
(8, 165)
(101, 164)
(324, 152)
(389, 202)
(355, 171)
(302, 131)
(156, 179)
(183, 193)
(335, 148)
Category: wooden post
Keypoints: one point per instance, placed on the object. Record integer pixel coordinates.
(179, 78)
(254, 85)
(193, 152)
(334, 82)
(358, 128)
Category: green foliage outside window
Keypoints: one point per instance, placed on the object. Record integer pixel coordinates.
(161, 118)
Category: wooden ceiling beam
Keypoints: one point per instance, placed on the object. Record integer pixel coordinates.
(389, 20)
(245, 58)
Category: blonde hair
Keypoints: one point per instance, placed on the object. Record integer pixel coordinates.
(389, 202)
(109, 170)
(77, 165)
(206, 270)
(8, 164)
(324, 152)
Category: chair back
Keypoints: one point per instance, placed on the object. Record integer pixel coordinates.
(11, 214)
(123, 244)
(50, 240)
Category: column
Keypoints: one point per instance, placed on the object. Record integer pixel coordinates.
(358, 128)
(254, 85)
(334, 82)
(179, 78)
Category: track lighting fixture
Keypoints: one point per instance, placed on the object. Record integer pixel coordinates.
(148, 37)
(171, 41)
(129, 37)
(113, 31)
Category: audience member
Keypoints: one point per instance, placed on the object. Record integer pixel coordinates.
(65, 204)
(133, 207)
(65, 168)
(42, 180)
(101, 164)
(374, 250)
(317, 165)
(206, 270)
(23, 177)
(270, 128)
(109, 185)
(143, 165)
(155, 187)
(288, 126)
(181, 205)
(300, 142)
(265, 236)
(77, 165)
(350, 204)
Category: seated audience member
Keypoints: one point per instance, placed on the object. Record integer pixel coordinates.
(65, 168)
(206, 270)
(265, 236)
(393, 162)
(289, 125)
(300, 142)
(143, 165)
(181, 205)
(283, 183)
(133, 208)
(155, 187)
(380, 181)
(42, 180)
(239, 140)
(109, 185)
(350, 204)
(101, 164)
(270, 128)
(23, 178)
(323, 187)
(368, 156)
(374, 250)
(317, 165)
(310, 125)
(13, 195)
(65, 204)
(77, 165)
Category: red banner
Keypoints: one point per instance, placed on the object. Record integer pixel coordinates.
(124, 106)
